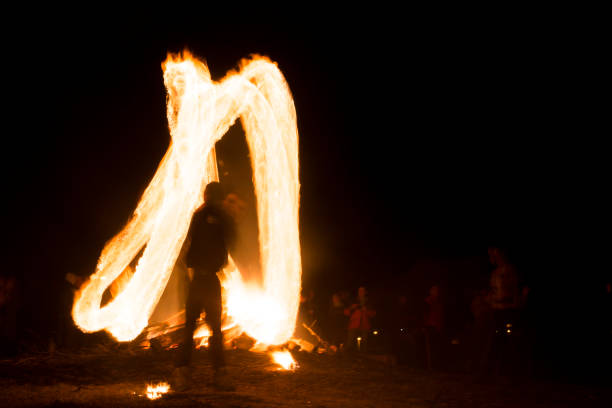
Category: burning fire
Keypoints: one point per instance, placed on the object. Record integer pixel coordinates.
(284, 359)
(156, 391)
(200, 111)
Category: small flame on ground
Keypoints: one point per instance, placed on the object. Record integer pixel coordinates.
(156, 391)
(284, 359)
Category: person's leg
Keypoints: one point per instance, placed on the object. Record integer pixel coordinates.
(435, 349)
(485, 356)
(213, 307)
(193, 308)
(181, 377)
(337, 335)
(521, 356)
(501, 343)
(351, 339)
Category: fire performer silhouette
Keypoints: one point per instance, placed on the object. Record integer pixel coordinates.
(212, 232)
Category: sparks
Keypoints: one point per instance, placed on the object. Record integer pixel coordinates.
(200, 112)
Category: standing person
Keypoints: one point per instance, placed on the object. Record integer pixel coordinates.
(360, 314)
(608, 308)
(507, 344)
(337, 322)
(434, 314)
(212, 233)
(433, 325)
(402, 323)
(9, 305)
(479, 328)
(307, 311)
(505, 293)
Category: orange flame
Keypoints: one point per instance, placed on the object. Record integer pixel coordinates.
(156, 391)
(200, 112)
(284, 359)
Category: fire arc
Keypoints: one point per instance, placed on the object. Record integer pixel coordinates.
(200, 111)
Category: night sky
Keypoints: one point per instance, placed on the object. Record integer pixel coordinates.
(415, 144)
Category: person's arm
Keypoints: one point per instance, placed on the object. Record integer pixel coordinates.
(190, 251)
(349, 310)
(370, 312)
(75, 280)
(524, 295)
(230, 232)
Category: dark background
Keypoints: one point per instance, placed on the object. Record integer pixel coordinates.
(419, 147)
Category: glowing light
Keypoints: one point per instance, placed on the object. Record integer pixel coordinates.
(156, 391)
(375, 332)
(200, 112)
(284, 359)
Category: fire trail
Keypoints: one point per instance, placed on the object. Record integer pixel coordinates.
(200, 111)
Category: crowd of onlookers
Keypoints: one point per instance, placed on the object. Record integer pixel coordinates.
(419, 329)
(496, 337)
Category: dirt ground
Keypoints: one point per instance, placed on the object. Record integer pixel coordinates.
(117, 377)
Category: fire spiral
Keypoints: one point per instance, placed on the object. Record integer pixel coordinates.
(200, 111)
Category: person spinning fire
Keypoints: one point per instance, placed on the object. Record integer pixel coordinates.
(212, 233)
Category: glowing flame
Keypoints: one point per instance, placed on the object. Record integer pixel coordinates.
(156, 391)
(284, 359)
(200, 112)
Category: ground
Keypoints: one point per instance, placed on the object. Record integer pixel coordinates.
(117, 376)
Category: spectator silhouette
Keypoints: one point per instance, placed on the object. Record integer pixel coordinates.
(9, 302)
(403, 323)
(478, 331)
(506, 350)
(434, 314)
(360, 314)
(307, 310)
(307, 325)
(434, 325)
(607, 308)
(337, 322)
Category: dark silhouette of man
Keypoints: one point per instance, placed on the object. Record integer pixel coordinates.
(212, 234)
(507, 349)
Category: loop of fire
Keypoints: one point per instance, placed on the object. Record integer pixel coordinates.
(137, 264)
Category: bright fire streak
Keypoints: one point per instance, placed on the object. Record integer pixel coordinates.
(284, 359)
(200, 112)
(156, 391)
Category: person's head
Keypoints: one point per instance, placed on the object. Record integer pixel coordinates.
(234, 206)
(362, 292)
(214, 193)
(434, 291)
(7, 288)
(306, 295)
(310, 294)
(497, 256)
